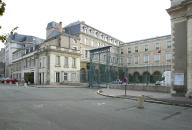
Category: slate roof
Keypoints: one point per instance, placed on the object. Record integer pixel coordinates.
(25, 38)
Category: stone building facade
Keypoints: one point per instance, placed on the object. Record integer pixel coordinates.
(2, 62)
(181, 24)
(147, 59)
(16, 42)
(64, 56)
(51, 62)
(90, 38)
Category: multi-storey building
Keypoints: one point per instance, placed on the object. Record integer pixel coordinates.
(2, 62)
(64, 56)
(15, 42)
(90, 38)
(147, 59)
(53, 61)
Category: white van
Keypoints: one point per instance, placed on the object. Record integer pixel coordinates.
(166, 79)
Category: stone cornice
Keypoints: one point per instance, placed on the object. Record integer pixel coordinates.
(179, 7)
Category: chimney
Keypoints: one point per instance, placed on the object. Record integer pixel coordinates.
(60, 27)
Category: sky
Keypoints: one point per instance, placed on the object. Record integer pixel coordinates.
(126, 20)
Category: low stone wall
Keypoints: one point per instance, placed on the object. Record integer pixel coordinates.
(142, 87)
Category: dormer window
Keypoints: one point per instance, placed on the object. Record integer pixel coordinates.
(97, 34)
(84, 29)
(90, 31)
(111, 40)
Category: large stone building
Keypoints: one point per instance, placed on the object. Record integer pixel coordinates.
(147, 59)
(90, 38)
(64, 56)
(15, 42)
(53, 61)
(2, 62)
(181, 24)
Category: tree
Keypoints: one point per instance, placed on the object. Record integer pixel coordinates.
(3, 38)
(2, 7)
(2, 10)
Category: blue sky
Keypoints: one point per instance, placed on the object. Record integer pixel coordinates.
(126, 20)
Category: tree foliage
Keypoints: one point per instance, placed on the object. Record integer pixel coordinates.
(2, 10)
(2, 7)
(3, 38)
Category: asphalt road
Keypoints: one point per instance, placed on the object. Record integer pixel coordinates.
(83, 109)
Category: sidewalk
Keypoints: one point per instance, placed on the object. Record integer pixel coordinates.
(81, 85)
(155, 97)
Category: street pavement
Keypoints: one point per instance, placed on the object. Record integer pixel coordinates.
(156, 97)
(33, 108)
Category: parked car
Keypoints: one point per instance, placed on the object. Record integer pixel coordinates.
(9, 80)
(118, 81)
(2, 79)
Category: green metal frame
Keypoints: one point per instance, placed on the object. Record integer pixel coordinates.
(102, 69)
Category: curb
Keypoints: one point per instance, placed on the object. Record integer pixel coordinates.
(149, 99)
(60, 87)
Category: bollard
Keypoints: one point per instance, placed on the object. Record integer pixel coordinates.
(17, 84)
(25, 84)
(140, 102)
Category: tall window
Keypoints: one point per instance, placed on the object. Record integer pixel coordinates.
(168, 44)
(129, 50)
(28, 62)
(146, 58)
(86, 53)
(168, 57)
(146, 47)
(157, 46)
(73, 62)
(136, 49)
(121, 51)
(66, 64)
(65, 76)
(136, 59)
(156, 58)
(57, 60)
(44, 62)
(57, 77)
(32, 62)
(129, 60)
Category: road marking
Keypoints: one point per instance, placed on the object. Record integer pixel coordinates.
(38, 105)
(171, 115)
(101, 103)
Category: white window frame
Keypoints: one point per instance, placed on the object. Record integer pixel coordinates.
(169, 44)
(129, 50)
(65, 76)
(129, 60)
(136, 59)
(157, 46)
(146, 58)
(168, 57)
(57, 60)
(157, 58)
(73, 62)
(136, 49)
(66, 62)
(146, 48)
(57, 79)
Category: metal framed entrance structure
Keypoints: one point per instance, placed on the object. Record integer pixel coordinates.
(106, 67)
